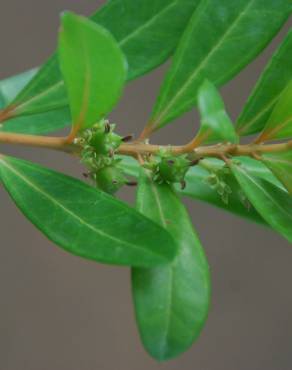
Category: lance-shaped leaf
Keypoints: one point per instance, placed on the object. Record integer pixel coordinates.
(140, 29)
(215, 122)
(38, 123)
(93, 67)
(32, 100)
(83, 220)
(41, 123)
(147, 30)
(219, 41)
(171, 301)
(281, 165)
(279, 125)
(273, 81)
(272, 203)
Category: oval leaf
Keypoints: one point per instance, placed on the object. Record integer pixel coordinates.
(279, 125)
(215, 122)
(171, 301)
(219, 41)
(93, 67)
(272, 203)
(267, 91)
(83, 220)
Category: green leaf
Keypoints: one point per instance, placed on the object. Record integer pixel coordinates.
(10, 87)
(95, 79)
(32, 99)
(147, 30)
(171, 301)
(273, 81)
(215, 122)
(279, 125)
(281, 165)
(272, 203)
(84, 220)
(140, 29)
(219, 41)
(40, 123)
(258, 169)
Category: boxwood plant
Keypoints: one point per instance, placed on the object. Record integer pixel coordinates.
(209, 42)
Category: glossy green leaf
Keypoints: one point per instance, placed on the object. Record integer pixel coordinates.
(273, 81)
(215, 122)
(281, 165)
(40, 123)
(258, 169)
(272, 203)
(32, 99)
(171, 301)
(147, 30)
(93, 67)
(140, 29)
(84, 220)
(279, 125)
(219, 41)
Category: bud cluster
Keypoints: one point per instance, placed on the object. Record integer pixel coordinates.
(217, 180)
(167, 168)
(99, 144)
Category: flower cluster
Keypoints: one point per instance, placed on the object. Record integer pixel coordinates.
(167, 168)
(99, 145)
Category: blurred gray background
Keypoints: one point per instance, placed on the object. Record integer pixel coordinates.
(59, 312)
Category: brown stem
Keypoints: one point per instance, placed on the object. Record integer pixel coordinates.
(136, 149)
(56, 143)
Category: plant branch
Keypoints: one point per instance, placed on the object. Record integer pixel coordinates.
(138, 148)
(55, 143)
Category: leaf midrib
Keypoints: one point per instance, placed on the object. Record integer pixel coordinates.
(247, 124)
(146, 24)
(170, 267)
(22, 105)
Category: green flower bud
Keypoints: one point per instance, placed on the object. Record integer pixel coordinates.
(212, 180)
(110, 179)
(103, 140)
(173, 169)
